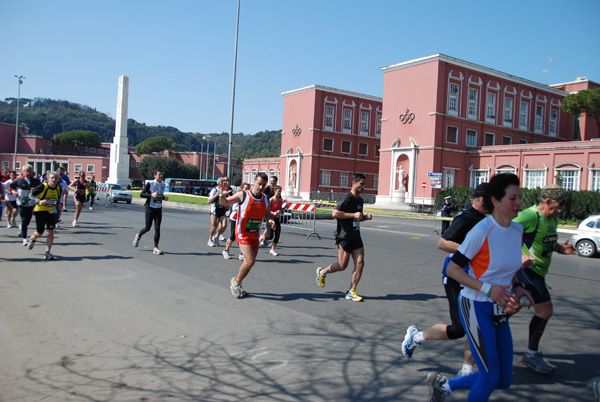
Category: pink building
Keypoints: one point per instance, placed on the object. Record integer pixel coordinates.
(328, 134)
(43, 154)
(468, 122)
(440, 116)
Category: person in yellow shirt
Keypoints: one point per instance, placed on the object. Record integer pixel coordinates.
(46, 197)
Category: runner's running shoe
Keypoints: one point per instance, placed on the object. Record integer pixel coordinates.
(436, 381)
(537, 363)
(157, 251)
(48, 256)
(211, 243)
(241, 257)
(221, 238)
(262, 243)
(30, 243)
(25, 241)
(351, 295)
(226, 254)
(75, 223)
(409, 345)
(273, 253)
(320, 278)
(136, 241)
(236, 289)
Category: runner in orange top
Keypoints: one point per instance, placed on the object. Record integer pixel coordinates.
(253, 206)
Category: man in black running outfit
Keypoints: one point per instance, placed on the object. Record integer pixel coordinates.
(349, 213)
(449, 242)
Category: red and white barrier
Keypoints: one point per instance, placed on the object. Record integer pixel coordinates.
(299, 207)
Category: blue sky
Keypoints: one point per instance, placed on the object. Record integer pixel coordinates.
(178, 55)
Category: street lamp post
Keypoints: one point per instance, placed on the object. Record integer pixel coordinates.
(20, 78)
(237, 27)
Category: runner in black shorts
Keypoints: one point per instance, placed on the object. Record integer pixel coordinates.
(451, 239)
(233, 219)
(80, 186)
(348, 213)
(218, 220)
(47, 195)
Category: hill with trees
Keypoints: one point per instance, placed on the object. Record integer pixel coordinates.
(47, 117)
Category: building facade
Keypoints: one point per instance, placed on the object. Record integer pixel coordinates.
(468, 122)
(328, 134)
(442, 122)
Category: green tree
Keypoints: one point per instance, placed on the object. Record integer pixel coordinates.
(586, 101)
(78, 139)
(171, 167)
(155, 145)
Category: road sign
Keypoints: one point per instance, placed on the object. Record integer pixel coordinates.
(424, 184)
(434, 175)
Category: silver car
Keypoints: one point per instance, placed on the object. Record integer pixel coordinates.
(112, 193)
(587, 239)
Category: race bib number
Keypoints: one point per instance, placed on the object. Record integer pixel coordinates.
(500, 315)
(548, 245)
(356, 224)
(51, 203)
(253, 225)
(158, 199)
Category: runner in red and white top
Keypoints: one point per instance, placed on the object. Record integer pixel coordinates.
(233, 218)
(253, 206)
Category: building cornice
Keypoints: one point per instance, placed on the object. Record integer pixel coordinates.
(332, 90)
(475, 67)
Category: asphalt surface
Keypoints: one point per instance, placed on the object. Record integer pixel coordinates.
(109, 322)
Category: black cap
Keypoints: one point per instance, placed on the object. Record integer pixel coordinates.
(480, 190)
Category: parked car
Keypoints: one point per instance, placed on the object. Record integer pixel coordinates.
(112, 193)
(587, 239)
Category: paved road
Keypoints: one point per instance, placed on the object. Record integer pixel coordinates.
(107, 322)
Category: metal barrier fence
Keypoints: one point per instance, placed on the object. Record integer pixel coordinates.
(301, 216)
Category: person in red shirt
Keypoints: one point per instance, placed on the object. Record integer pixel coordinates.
(253, 207)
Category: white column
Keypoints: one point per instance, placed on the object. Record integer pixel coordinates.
(119, 149)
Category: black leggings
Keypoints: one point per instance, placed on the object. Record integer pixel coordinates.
(26, 213)
(274, 234)
(90, 197)
(454, 330)
(152, 215)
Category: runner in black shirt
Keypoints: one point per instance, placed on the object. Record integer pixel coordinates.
(450, 241)
(348, 213)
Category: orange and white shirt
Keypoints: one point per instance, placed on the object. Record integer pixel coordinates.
(250, 215)
(493, 253)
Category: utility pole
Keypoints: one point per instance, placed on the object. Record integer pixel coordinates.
(20, 78)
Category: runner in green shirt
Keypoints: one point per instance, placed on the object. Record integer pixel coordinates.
(540, 240)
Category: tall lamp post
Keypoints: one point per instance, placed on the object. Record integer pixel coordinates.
(237, 27)
(20, 78)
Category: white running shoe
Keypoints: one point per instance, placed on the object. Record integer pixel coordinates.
(241, 257)
(409, 345)
(136, 241)
(91, 209)
(211, 243)
(262, 243)
(273, 253)
(221, 238)
(157, 251)
(25, 241)
(75, 223)
(236, 289)
(226, 254)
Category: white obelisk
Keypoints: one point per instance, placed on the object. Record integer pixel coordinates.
(119, 151)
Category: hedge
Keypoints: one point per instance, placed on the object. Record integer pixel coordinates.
(580, 205)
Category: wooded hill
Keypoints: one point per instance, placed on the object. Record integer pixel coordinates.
(47, 117)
